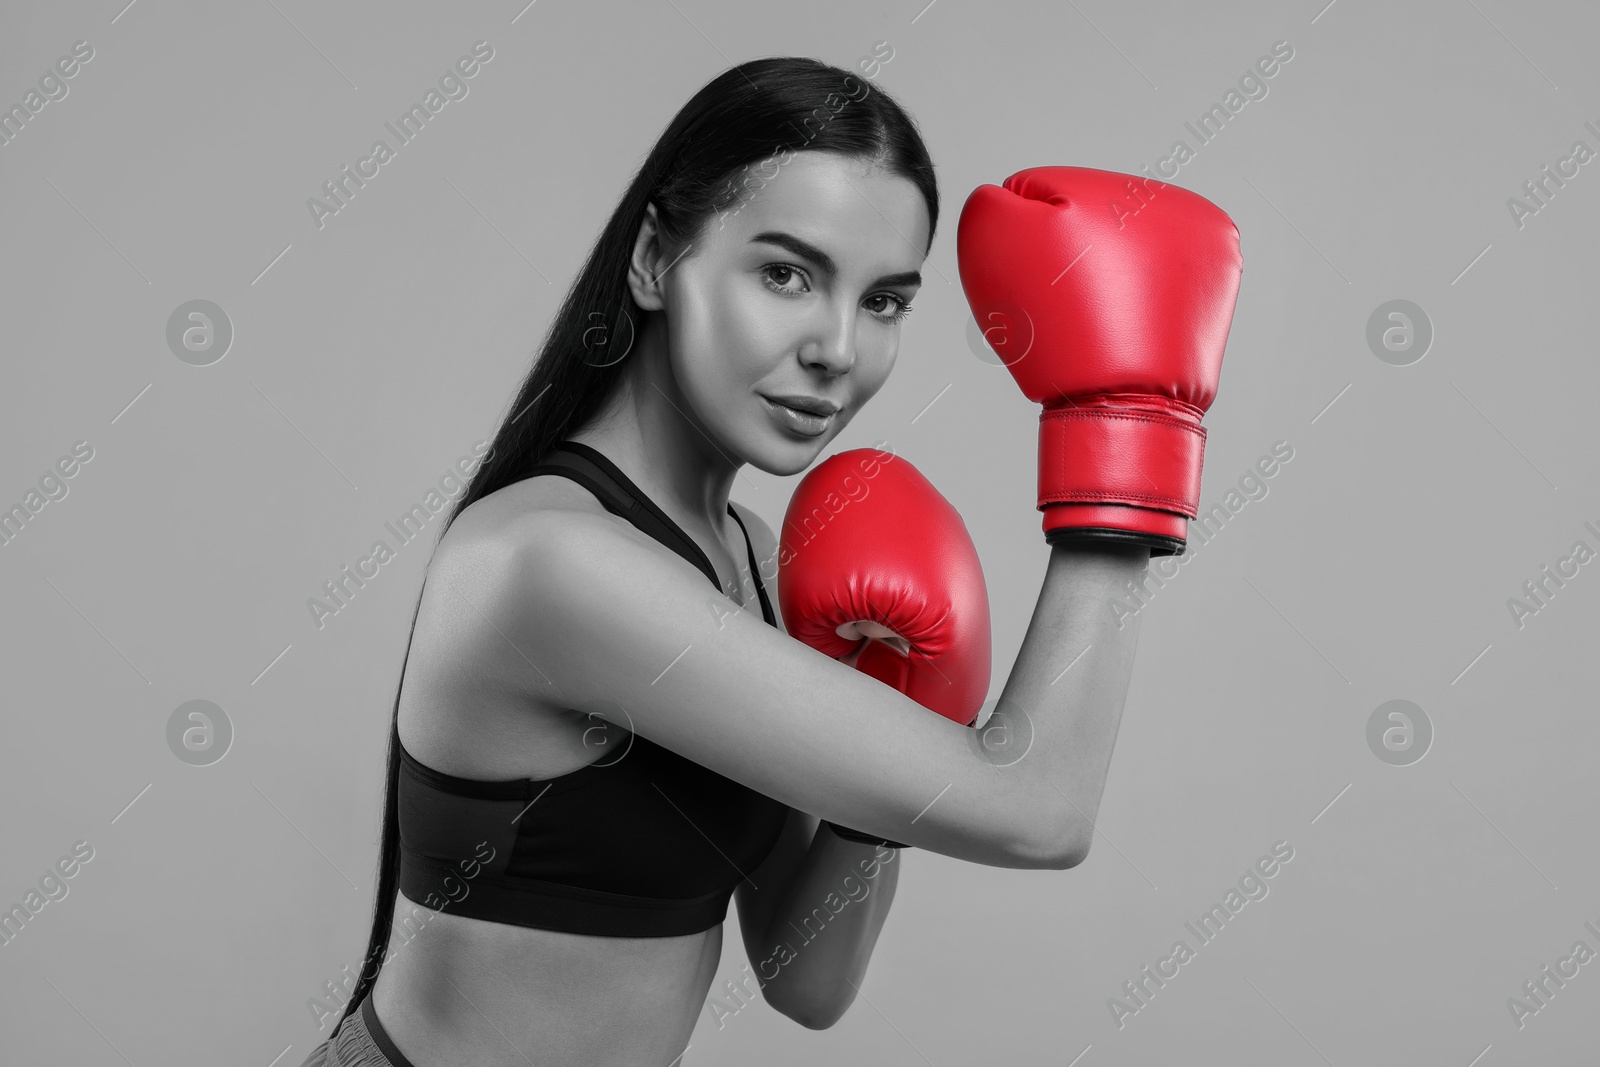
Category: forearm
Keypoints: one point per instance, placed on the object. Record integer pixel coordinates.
(1062, 704)
(824, 931)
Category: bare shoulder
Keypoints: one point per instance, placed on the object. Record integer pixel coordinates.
(528, 554)
(474, 554)
(474, 701)
(500, 515)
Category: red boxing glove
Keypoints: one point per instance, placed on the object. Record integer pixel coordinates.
(1108, 297)
(873, 558)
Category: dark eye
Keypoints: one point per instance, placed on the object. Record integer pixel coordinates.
(896, 310)
(779, 276)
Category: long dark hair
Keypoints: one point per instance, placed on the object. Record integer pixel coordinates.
(743, 123)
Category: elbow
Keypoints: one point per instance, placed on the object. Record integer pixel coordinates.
(1069, 857)
(816, 1013)
(817, 1020)
(1059, 852)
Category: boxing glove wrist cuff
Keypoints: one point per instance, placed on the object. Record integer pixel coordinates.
(1120, 466)
(857, 836)
(1119, 448)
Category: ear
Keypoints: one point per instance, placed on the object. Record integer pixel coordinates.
(645, 268)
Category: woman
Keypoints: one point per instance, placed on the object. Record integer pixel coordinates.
(586, 786)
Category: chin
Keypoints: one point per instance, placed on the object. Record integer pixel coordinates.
(784, 456)
(788, 458)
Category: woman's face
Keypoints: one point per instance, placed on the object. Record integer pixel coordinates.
(796, 291)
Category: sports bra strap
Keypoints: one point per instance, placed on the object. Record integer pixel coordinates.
(620, 496)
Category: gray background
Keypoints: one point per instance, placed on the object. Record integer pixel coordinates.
(374, 352)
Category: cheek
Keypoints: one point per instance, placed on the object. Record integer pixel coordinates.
(877, 349)
(729, 327)
(762, 324)
(720, 341)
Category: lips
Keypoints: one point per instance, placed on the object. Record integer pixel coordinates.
(809, 404)
(792, 419)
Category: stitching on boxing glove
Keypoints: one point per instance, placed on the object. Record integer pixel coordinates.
(1140, 416)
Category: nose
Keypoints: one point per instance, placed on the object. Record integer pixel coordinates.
(831, 341)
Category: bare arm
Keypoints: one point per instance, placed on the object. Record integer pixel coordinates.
(1068, 687)
(625, 630)
(810, 930)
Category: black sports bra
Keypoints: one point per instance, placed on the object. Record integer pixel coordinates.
(640, 843)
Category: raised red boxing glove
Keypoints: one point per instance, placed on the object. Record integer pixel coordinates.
(1108, 297)
(872, 559)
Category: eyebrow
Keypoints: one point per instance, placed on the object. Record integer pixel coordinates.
(805, 250)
